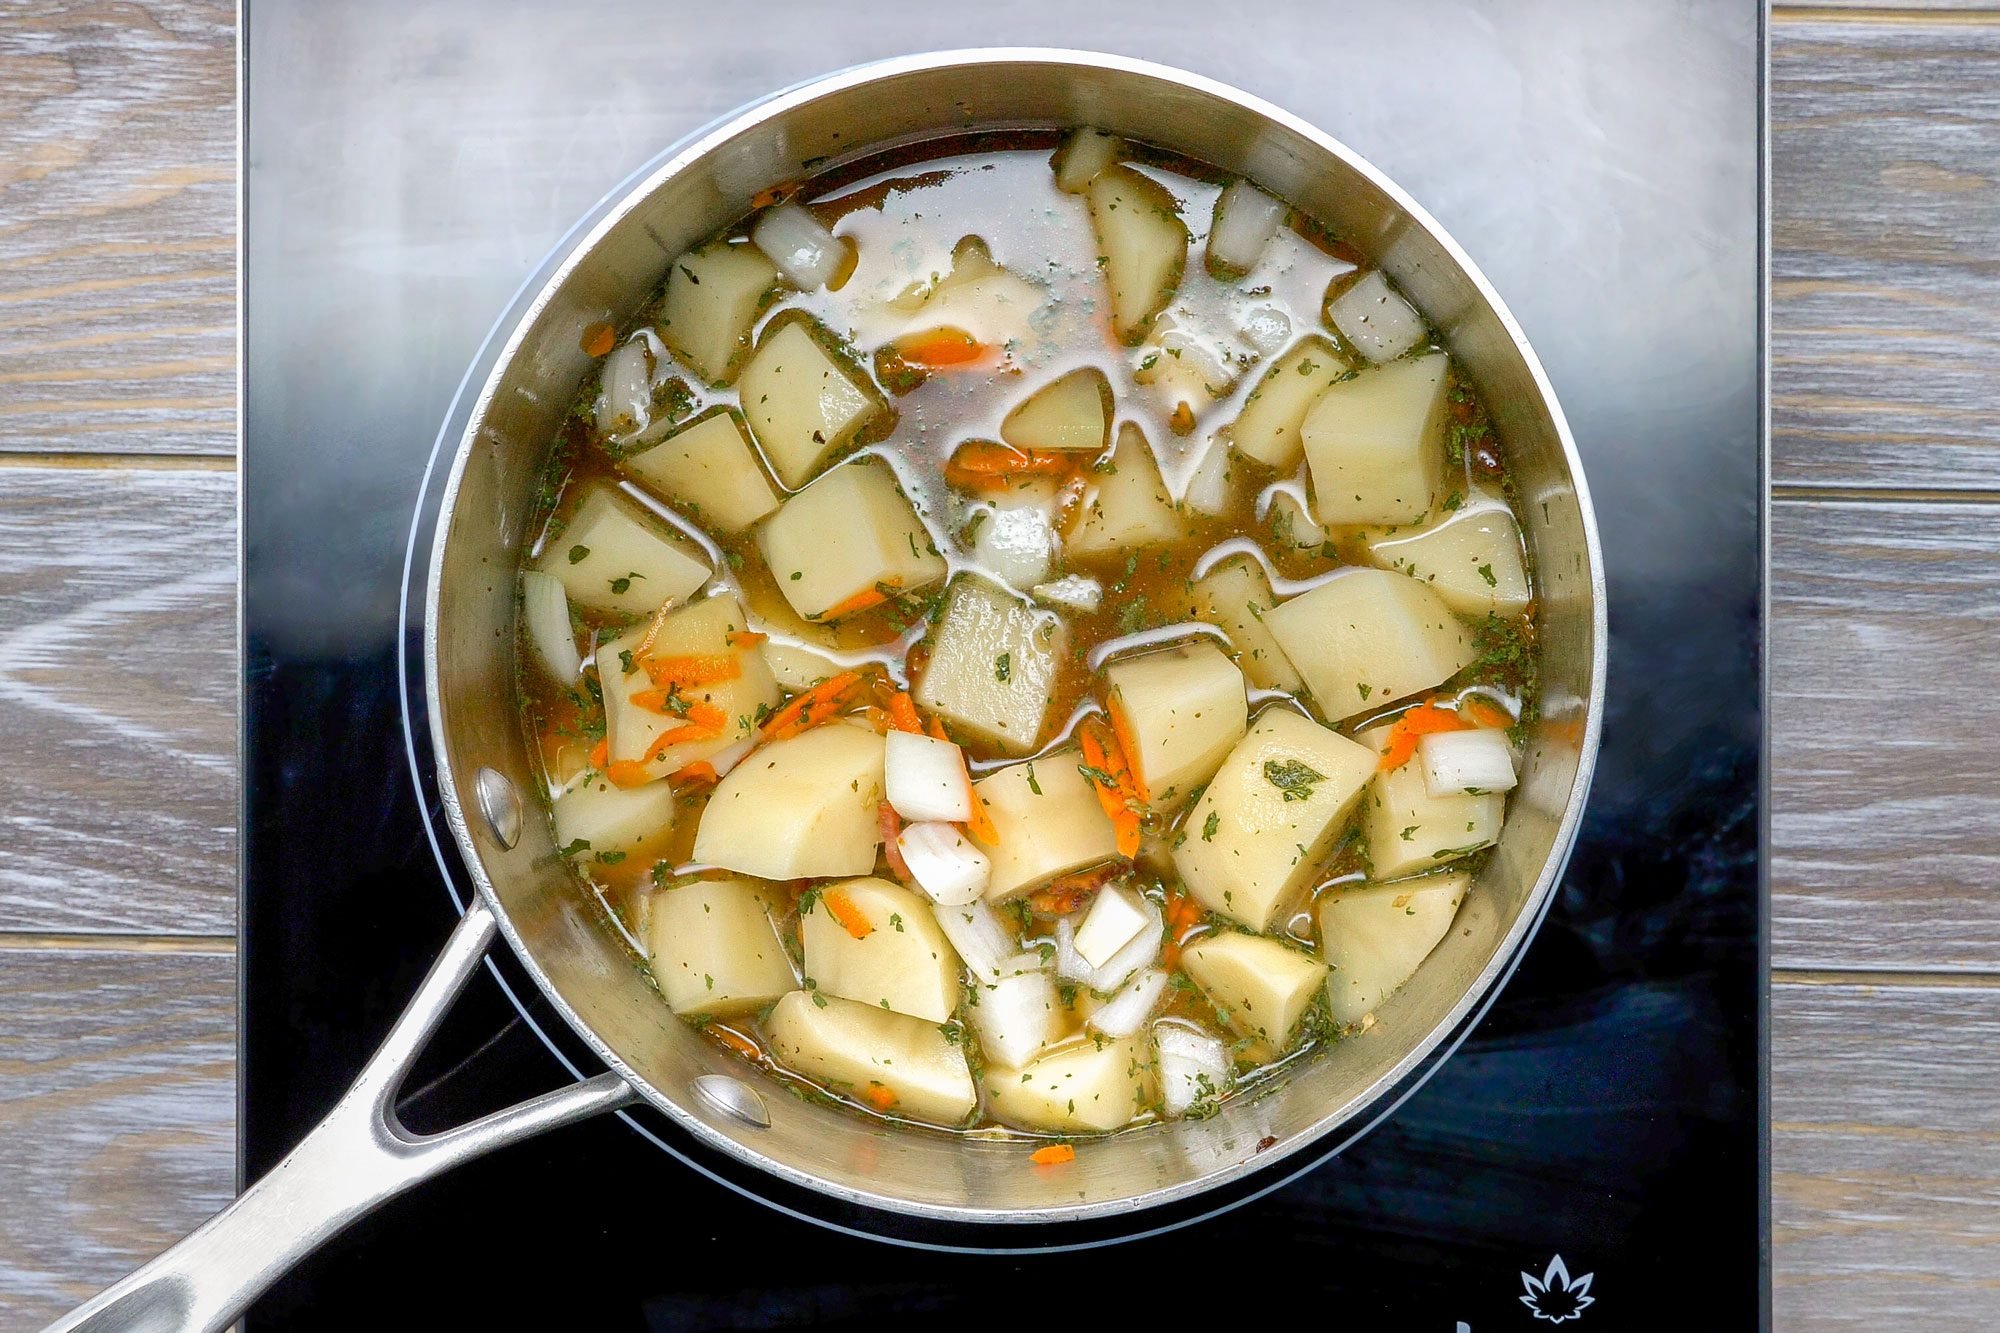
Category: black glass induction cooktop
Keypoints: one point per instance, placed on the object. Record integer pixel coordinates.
(1593, 1153)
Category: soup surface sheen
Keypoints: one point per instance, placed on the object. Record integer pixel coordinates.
(1027, 636)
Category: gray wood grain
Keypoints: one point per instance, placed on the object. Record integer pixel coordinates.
(1885, 159)
(1885, 1149)
(117, 1115)
(117, 227)
(118, 700)
(1885, 810)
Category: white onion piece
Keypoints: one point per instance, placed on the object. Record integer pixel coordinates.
(1144, 948)
(1193, 1066)
(1245, 221)
(1208, 486)
(1127, 1011)
(625, 394)
(1268, 329)
(805, 251)
(546, 607)
(1378, 322)
(1074, 592)
(1069, 963)
(729, 756)
(1084, 154)
(983, 944)
(1116, 916)
(1018, 1015)
(944, 863)
(925, 778)
(1456, 762)
(1293, 523)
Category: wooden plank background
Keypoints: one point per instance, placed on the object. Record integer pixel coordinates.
(116, 541)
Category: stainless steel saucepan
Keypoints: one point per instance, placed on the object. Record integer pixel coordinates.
(360, 1155)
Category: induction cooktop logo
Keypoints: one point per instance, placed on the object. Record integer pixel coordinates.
(1555, 1295)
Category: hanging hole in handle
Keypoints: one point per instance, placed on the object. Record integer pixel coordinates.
(733, 1098)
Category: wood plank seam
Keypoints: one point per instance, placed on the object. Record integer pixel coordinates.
(1805, 493)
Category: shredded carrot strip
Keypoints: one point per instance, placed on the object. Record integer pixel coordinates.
(890, 825)
(1060, 897)
(983, 463)
(861, 601)
(1117, 796)
(941, 348)
(599, 339)
(1053, 1155)
(878, 718)
(935, 730)
(878, 1096)
(776, 194)
(693, 669)
(903, 713)
(704, 723)
(600, 753)
(1128, 746)
(736, 1042)
(1485, 713)
(628, 773)
(814, 706)
(744, 638)
(980, 825)
(1419, 721)
(699, 773)
(847, 914)
(1183, 914)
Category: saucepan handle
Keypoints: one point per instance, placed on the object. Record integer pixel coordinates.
(353, 1161)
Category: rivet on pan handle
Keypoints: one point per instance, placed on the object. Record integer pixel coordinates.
(352, 1162)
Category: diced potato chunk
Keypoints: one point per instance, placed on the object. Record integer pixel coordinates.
(1129, 506)
(1471, 556)
(1089, 1085)
(798, 667)
(709, 469)
(713, 298)
(900, 960)
(1084, 153)
(1267, 429)
(621, 821)
(1376, 321)
(854, 1047)
(848, 542)
(993, 665)
(701, 629)
(1049, 822)
(610, 558)
(715, 948)
(803, 404)
(1261, 987)
(1069, 412)
(1177, 710)
(979, 298)
(1256, 838)
(1144, 245)
(1409, 830)
(1376, 444)
(803, 808)
(1235, 596)
(1367, 636)
(1375, 936)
